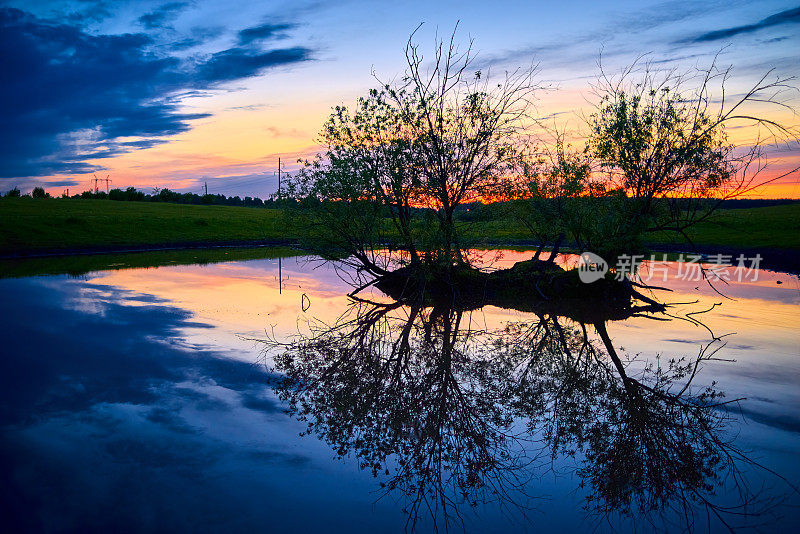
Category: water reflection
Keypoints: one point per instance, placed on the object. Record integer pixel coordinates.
(112, 421)
(130, 401)
(451, 414)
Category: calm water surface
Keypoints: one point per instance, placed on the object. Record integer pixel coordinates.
(138, 400)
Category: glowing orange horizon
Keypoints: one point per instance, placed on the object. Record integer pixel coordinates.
(235, 144)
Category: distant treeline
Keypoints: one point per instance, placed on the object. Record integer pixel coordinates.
(473, 211)
(477, 211)
(734, 203)
(131, 194)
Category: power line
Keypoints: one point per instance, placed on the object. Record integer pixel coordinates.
(97, 181)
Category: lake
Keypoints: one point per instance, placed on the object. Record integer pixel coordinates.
(145, 399)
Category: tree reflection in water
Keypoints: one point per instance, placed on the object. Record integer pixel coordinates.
(450, 416)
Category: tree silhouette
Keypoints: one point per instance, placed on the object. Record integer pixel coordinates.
(658, 158)
(438, 137)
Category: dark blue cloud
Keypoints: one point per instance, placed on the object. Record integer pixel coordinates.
(89, 11)
(198, 35)
(68, 96)
(263, 32)
(80, 12)
(260, 403)
(238, 63)
(790, 16)
(159, 16)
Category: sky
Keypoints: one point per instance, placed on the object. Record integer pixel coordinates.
(184, 93)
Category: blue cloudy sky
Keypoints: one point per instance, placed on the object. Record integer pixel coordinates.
(179, 93)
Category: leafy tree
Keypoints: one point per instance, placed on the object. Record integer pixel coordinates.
(367, 174)
(39, 192)
(130, 194)
(553, 190)
(165, 195)
(14, 193)
(662, 139)
(658, 158)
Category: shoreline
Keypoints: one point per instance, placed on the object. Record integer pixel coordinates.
(776, 259)
(150, 247)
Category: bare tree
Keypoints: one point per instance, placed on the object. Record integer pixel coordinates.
(418, 147)
(466, 126)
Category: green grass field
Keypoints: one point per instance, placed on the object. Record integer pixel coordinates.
(30, 225)
(770, 227)
(767, 227)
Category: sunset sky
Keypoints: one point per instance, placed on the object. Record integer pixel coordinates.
(178, 93)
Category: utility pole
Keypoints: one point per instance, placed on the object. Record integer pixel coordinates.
(95, 180)
(107, 182)
(279, 179)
